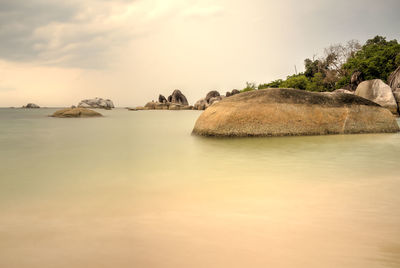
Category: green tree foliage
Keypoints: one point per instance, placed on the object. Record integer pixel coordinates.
(273, 84)
(377, 59)
(249, 87)
(299, 81)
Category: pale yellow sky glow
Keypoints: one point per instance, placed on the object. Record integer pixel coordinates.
(55, 54)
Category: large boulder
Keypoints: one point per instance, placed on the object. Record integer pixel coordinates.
(394, 80)
(287, 112)
(178, 98)
(377, 91)
(97, 103)
(76, 112)
(31, 106)
(356, 79)
(212, 94)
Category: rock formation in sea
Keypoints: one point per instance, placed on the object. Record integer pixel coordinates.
(211, 97)
(31, 106)
(97, 103)
(377, 91)
(76, 112)
(288, 112)
(178, 97)
(176, 101)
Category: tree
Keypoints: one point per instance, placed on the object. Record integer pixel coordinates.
(377, 59)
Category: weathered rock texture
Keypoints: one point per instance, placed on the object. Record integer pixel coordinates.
(178, 97)
(233, 92)
(97, 103)
(377, 91)
(394, 80)
(76, 112)
(211, 97)
(356, 79)
(286, 112)
(31, 106)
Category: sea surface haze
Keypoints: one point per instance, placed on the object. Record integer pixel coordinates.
(136, 189)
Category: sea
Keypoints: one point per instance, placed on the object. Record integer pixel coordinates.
(136, 189)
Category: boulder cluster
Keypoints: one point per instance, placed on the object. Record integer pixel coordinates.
(98, 103)
(175, 101)
(386, 95)
(31, 106)
(211, 98)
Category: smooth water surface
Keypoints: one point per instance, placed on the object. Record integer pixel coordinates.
(135, 189)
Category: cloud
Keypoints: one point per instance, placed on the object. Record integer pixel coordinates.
(72, 33)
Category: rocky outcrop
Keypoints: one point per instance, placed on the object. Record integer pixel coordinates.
(394, 80)
(162, 99)
(287, 112)
(232, 93)
(356, 79)
(178, 97)
(211, 97)
(97, 103)
(31, 106)
(76, 112)
(176, 101)
(379, 92)
(212, 94)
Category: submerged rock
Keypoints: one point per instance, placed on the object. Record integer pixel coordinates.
(31, 106)
(97, 103)
(287, 112)
(76, 112)
(377, 91)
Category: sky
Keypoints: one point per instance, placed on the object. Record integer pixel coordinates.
(55, 53)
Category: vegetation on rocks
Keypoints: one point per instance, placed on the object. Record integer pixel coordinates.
(376, 59)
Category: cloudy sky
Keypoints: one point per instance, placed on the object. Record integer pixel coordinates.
(57, 52)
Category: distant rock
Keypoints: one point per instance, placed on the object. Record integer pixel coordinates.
(76, 112)
(379, 92)
(97, 103)
(212, 94)
(31, 106)
(73, 106)
(178, 98)
(289, 112)
(232, 93)
(201, 104)
(211, 97)
(150, 105)
(162, 99)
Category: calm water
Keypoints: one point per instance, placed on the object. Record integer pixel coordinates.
(135, 189)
